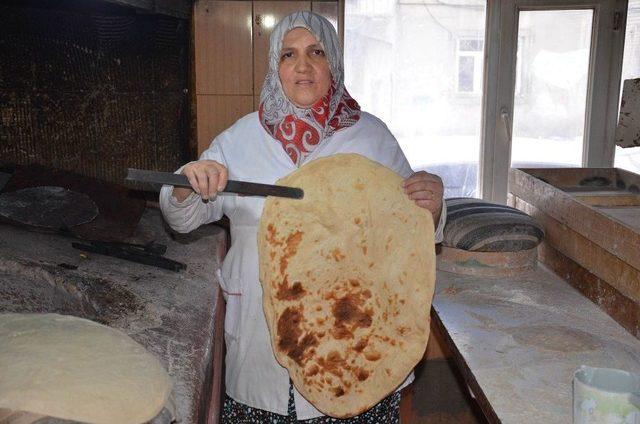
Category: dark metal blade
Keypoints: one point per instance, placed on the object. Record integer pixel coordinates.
(238, 187)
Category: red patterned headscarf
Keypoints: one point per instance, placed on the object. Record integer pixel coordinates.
(301, 130)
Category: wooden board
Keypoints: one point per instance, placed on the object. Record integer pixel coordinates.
(617, 238)
(629, 215)
(592, 232)
(623, 310)
(587, 253)
(223, 47)
(610, 199)
(328, 9)
(217, 113)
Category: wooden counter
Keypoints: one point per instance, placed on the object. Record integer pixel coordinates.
(518, 340)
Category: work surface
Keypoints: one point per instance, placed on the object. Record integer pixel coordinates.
(518, 340)
(171, 314)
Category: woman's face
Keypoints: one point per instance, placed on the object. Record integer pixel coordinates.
(304, 70)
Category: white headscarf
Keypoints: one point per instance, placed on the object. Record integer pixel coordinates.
(280, 116)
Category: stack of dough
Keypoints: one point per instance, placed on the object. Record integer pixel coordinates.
(348, 276)
(76, 369)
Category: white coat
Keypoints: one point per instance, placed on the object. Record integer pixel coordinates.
(253, 376)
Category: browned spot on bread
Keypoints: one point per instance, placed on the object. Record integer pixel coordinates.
(340, 332)
(271, 236)
(290, 249)
(346, 310)
(366, 293)
(362, 343)
(388, 371)
(362, 374)
(358, 186)
(364, 249)
(372, 355)
(272, 254)
(313, 370)
(354, 283)
(337, 255)
(289, 329)
(286, 292)
(289, 335)
(320, 321)
(298, 354)
(357, 221)
(333, 363)
(338, 391)
(402, 330)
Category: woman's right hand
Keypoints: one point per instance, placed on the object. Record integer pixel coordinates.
(207, 178)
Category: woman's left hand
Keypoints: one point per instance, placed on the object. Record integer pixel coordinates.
(426, 190)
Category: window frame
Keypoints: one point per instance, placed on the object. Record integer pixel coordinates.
(605, 69)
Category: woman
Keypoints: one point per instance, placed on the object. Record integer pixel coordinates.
(305, 113)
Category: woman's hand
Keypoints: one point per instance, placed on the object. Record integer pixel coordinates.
(207, 178)
(426, 190)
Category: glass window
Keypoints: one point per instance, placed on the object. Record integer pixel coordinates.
(629, 158)
(551, 88)
(470, 66)
(465, 74)
(414, 65)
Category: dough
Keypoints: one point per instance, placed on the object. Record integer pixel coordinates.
(76, 369)
(348, 276)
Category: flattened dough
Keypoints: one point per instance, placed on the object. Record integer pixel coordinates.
(72, 368)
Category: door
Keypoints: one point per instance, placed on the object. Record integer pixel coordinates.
(552, 85)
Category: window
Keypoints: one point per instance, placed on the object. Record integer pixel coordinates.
(470, 66)
(548, 126)
(419, 67)
(470, 60)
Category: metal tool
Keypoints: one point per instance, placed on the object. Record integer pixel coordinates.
(237, 187)
(144, 254)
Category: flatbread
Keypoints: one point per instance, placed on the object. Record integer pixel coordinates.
(348, 275)
(76, 369)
